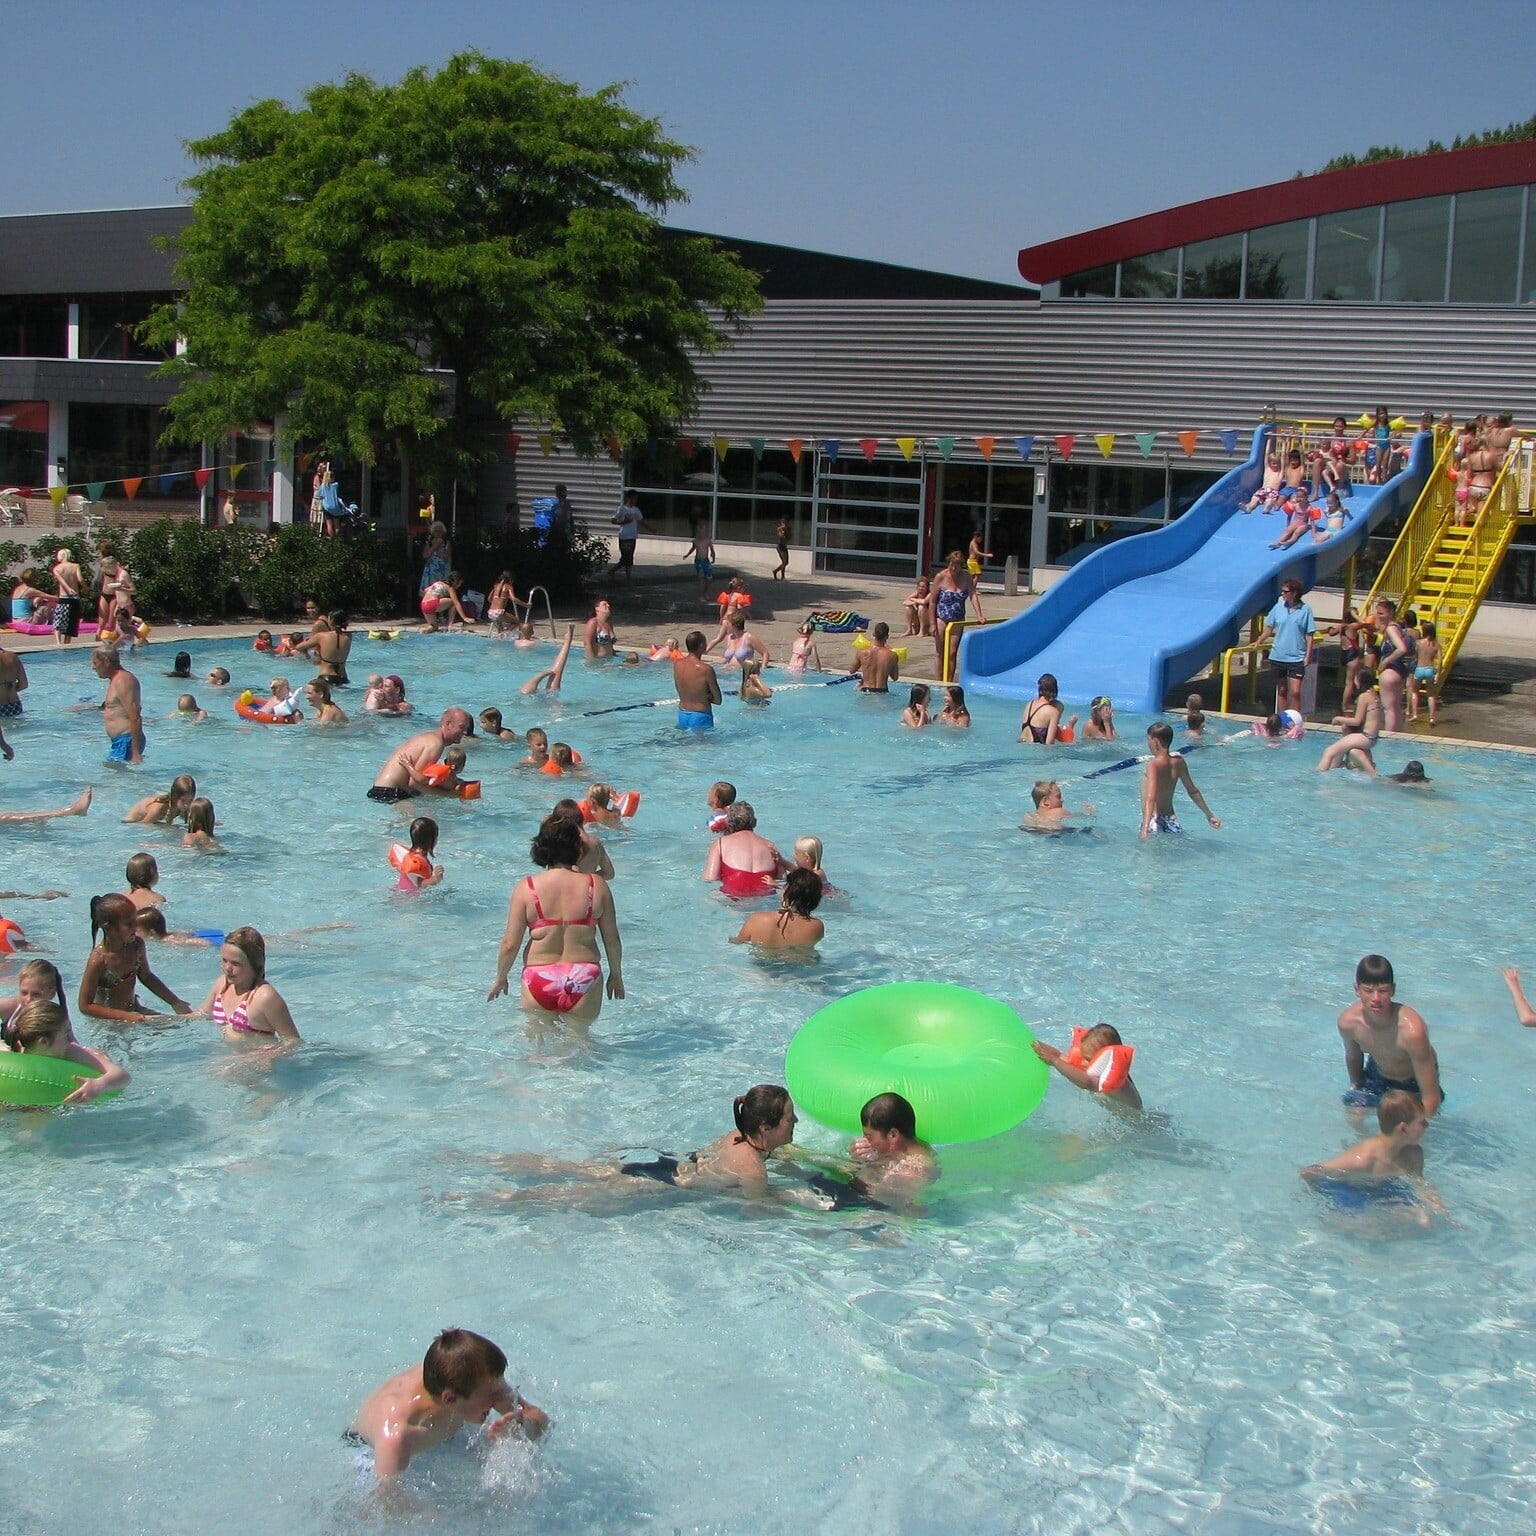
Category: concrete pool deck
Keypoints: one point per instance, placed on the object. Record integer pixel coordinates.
(1491, 700)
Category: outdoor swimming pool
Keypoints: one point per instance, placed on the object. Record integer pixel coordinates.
(1096, 1327)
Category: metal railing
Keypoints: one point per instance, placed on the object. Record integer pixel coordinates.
(946, 674)
(1409, 558)
(548, 611)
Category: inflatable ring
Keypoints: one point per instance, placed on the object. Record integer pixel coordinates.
(40, 1082)
(7, 928)
(963, 1060)
(248, 709)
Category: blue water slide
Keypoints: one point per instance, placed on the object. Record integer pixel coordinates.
(1144, 613)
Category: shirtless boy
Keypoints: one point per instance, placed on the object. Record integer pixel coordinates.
(878, 666)
(1163, 774)
(1050, 813)
(401, 777)
(1386, 1043)
(1396, 1152)
(462, 1379)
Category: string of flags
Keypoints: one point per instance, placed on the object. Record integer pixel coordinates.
(164, 482)
(832, 448)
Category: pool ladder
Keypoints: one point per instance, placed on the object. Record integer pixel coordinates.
(549, 612)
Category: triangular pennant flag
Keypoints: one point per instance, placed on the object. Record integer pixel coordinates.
(986, 445)
(946, 445)
(869, 446)
(514, 441)
(202, 476)
(1229, 440)
(546, 443)
(757, 444)
(167, 484)
(1025, 445)
(615, 448)
(1144, 441)
(234, 472)
(722, 447)
(1106, 442)
(831, 447)
(96, 489)
(1187, 441)
(794, 444)
(57, 493)
(908, 446)
(131, 486)
(687, 446)
(1065, 442)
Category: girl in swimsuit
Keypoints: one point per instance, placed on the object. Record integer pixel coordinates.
(792, 926)
(200, 824)
(243, 1003)
(744, 862)
(1042, 723)
(38, 981)
(117, 961)
(1360, 729)
(162, 810)
(803, 652)
(1101, 720)
(1395, 665)
(1350, 653)
(503, 596)
(42, 1029)
(955, 711)
(562, 914)
(598, 637)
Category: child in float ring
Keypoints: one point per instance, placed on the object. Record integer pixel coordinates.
(563, 914)
(42, 1029)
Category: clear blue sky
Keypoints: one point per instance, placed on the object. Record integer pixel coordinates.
(932, 135)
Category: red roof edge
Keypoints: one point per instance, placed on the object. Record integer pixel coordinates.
(1303, 197)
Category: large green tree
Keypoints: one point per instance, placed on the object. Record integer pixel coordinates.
(487, 222)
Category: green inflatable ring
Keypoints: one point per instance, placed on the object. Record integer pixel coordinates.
(40, 1082)
(962, 1059)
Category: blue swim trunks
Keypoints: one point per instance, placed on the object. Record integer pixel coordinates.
(1163, 824)
(695, 720)
(1373, 1084)
(704, 569)
(1347, 1195)
(11, 711)
(120, 748)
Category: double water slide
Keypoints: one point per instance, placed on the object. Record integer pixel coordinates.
(1141, 615)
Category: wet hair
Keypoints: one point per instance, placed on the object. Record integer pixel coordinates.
(340, 619)
(562, 754)
(460, 1362)
(1365, 678)
(200, 817)
(1161, 733)
(263, 634)
(723, 793)
(142, 871)
(534, 731)
(47, 972)
(889, 1112)
(1048, 686)
(183, 788)
(1428, 630)
(423, 834)
(491, 719)
(109, 909)
(811, 846)
(454, 759)
(1097, 708)
(556, 843)
(737, 619)
(600, 795)
(1397, 1107)
(1102, 1035)
(1374, 970)
(1042, 788)
(919, 696)
(759, 1109)
(955, 694)
(740, 817)
(35, 1023)
(802, 892)
(1413, 773)
(150, 920)
(570, 810)
(695, 642)
(250, 944)
(881, 632)
(181, 666)
(221, 673)
(185, 704)
(322, 689)
(1272, 726)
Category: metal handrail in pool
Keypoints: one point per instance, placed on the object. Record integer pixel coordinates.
(549, 611)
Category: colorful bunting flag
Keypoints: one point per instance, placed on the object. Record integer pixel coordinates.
(985, 445)
(687, 446)
(831, 447)
(1065, 442)
(722, 447)
(202, 476)
(234, 472)
(546, 443)
(757, 444)
(1229, 440)
(1144, 441)
(908, 446)
(869, 446)
(57, 493)
(1025, 445)
(794, 444)
(96, 489)
(131, 486)
(514, 441)
(167, 484)
(946, 446)
(1106, 442)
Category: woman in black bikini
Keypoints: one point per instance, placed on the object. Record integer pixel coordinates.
(1042, 722)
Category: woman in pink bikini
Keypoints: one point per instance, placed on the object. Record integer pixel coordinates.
(562, 913)
(742, 860)
(248, 1009)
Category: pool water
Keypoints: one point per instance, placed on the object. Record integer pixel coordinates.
(1098, 1326)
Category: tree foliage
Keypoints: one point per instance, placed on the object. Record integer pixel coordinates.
(487, 221)
(1510, 133)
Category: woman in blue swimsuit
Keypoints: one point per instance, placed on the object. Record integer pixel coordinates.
(951, 591)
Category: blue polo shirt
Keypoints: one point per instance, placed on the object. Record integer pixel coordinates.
(1292, 626)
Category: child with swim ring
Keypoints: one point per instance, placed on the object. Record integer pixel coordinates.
(1097, 1061)
(42, 1029)
(414, 863)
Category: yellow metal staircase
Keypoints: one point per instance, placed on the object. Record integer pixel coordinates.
(1444, 571)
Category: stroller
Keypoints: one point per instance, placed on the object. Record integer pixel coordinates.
(343, 516)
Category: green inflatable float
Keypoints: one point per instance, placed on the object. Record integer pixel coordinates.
(962, 1059)
(40, 1082)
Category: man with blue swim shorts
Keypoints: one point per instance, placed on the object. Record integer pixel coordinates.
(121, 712)
(698, 689)
(1386, 1043)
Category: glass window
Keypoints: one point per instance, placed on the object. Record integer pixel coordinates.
(1413, 259)
(755, 492)
(108, 323)
(107, 442)
(1277, 261)
(1346, 256)
(1487, 246)
(34, 327)
(24, 443)
(1154, 276)
(676, 485)
(869, 515)
(1213, 269)
(1096, 284)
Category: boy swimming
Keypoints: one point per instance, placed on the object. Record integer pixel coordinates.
(1386, 1043)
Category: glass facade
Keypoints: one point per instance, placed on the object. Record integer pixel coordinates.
(24, 443)
(681, 487)
(109, 323)
(868, 516)
(34, 326)
(1094, 504)
(1470, 248)
(107, 442)
(996, 500)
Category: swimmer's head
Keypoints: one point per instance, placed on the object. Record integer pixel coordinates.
(182, 665)
(600, 796)
(397, 683)
(807, 629)
(219, 677)
(110, 910)
(557, 844)
(1413, 773)
(454, 759)
(278, 688)
(631, 659)
(1271, 725)
(1160, 734)
(182, 792)
(695, 642)
(1375, 971)
(318, 692)
(752, 668)
(490, 719)
(954, 694)
(721, 794)
(460, 1364)
(570, 810)
(525, 631)
(423, 835)
(537, 739)
(802, 892)
(562, 756)
(250, 948)
(375, 681)
(888, 1112)
(1047, 685)
(761, 1109)
(881, 632)
(1099, 1038)
(1365, 679)
(1044, 790)
(143, 872)
(39, 1029)
(40, 979)
(200, 816)
(808, 852)
(919, 696)
(149, 923)
(1101, 708)
(1401, 1113)
(186, 704)
(740, 817)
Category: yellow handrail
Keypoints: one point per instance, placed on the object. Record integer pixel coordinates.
(1419, 536)
(945, 675)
